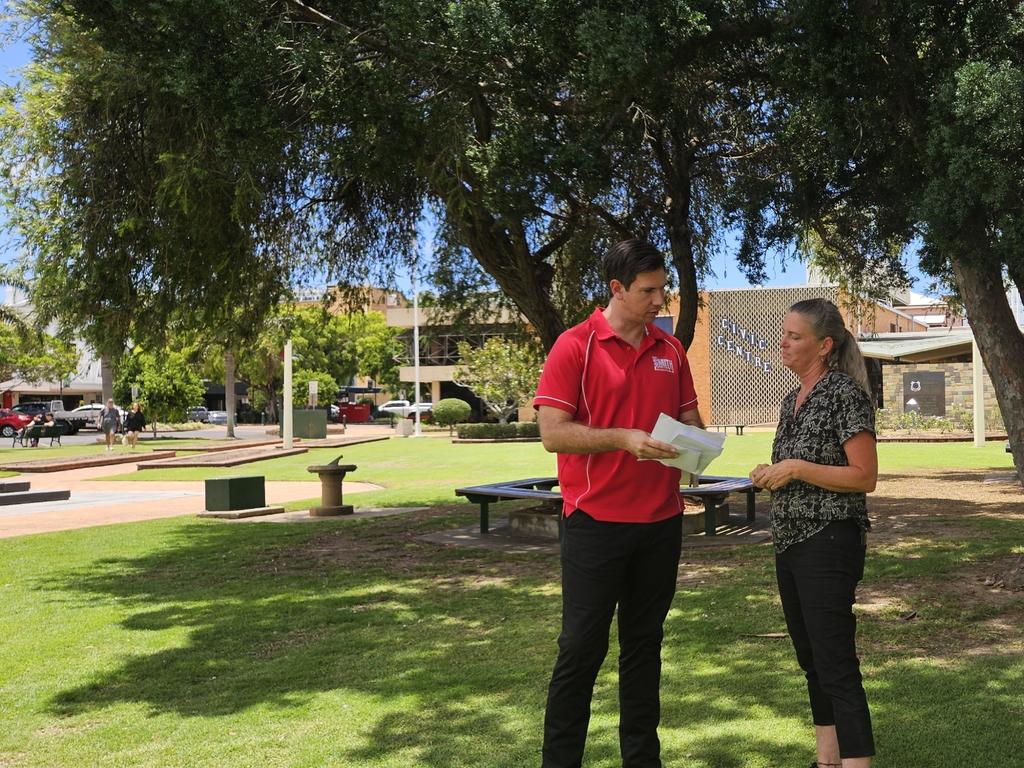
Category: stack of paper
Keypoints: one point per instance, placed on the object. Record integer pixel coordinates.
(696, 447)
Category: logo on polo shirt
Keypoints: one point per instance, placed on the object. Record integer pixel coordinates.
(663, 364)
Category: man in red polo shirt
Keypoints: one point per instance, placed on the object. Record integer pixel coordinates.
(604, 384)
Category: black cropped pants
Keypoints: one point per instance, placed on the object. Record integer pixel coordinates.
(817, 581)
(632, 566)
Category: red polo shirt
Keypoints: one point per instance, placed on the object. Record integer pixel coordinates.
(606, 382)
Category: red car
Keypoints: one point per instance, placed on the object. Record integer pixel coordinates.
(11, 422)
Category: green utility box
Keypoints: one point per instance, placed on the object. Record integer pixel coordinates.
(230, 493)
(310, 423)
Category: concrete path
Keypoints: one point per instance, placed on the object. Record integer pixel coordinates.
(95, 502)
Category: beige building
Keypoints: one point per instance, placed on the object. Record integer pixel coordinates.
(735, 358)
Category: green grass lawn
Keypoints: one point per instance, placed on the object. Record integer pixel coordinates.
(45, 451)
(426, 471)
(184, 642)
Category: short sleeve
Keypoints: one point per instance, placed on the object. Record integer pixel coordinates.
(560, 379)
(854, 411)
(687, 391)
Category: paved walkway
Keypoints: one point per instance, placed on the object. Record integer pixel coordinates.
(95, 502)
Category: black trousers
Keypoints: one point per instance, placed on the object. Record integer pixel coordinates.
(604, 565)
(817, 581)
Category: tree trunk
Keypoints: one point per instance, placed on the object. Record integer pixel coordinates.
(106, 378)
(681, 240)
(675, 159)
(229, 390)
(524, 279)
(500, 245)
(1000, 343)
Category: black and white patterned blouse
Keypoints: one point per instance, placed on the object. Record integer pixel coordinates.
(836, 409)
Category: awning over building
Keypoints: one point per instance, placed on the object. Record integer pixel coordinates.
(917, 347)
(76, 387)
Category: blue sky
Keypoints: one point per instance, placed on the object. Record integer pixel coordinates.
(780, 271)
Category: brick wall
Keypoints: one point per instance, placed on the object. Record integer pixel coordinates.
(959, 385)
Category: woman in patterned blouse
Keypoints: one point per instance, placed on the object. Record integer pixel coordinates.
(823, 464)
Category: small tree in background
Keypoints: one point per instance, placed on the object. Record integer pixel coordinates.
(32, 356)
(451, 411)
(502, 373)
(168, 384)
(327, 387)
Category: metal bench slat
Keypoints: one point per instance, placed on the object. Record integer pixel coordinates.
(710, 487)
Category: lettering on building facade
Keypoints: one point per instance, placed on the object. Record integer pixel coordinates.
(743, 343)
(748, 379)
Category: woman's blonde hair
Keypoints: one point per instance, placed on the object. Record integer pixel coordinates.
(827, 322)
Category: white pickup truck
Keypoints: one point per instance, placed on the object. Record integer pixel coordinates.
(72, 421)
(404, 409)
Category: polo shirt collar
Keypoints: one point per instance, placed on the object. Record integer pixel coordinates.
(604, 331)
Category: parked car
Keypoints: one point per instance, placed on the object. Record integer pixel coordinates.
(70, 421)
(198, 413)
(88, 416)
(335, 414)
(91, 413)
(11, 422)
(404, 409)
(217, 417)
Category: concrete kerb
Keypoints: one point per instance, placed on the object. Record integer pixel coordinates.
(241, 514)
(303, 516)
(97, 502)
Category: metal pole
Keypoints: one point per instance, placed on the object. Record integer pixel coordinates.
(286, 417)
(416, 346)
(978, 385)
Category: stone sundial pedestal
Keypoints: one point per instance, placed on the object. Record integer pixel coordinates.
(331, 477)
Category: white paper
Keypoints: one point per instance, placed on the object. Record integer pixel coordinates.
(697, 447)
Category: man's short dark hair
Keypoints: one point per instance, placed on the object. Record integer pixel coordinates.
(628, 258)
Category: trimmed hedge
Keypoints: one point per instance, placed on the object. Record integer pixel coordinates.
(451, 411)
(497, 431)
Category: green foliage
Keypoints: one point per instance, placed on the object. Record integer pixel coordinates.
(906, 124)
(450, 411)
(536, 133)
(503, 373)
(33, 356)
(167, 380)
(143, 171)
(517, 429)
(340, 346)
(327, 387)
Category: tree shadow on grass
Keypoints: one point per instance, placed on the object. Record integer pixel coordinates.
(276, 616)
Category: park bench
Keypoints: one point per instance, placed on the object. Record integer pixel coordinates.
(726, 427)
(38, 431)
(712, 490)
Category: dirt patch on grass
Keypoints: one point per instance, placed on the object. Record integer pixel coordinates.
(393, 543)
(932, 504)
(975, 608)
(289, 641)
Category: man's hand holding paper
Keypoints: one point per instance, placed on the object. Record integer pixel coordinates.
(696, 447)
(644, 446)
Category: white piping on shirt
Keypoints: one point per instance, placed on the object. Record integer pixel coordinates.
(583, 392)
(549, 397)
(679, 360)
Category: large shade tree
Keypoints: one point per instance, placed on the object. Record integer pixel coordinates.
(539, 132)
(143, 171)
(254, 131)
(910, 122)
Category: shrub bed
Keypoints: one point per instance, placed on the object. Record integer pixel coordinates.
(525, 429)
